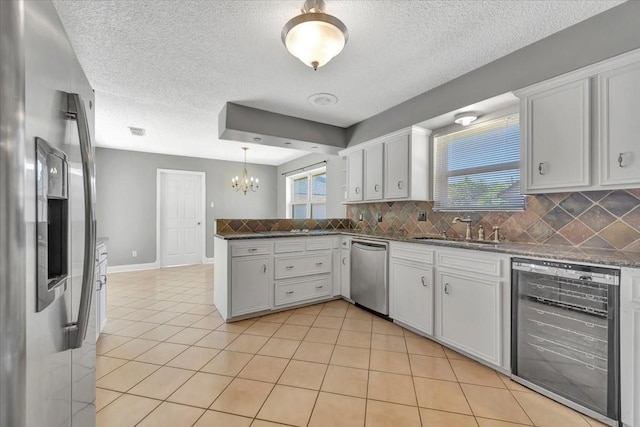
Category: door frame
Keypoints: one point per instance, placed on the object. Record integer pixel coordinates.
(203, 233)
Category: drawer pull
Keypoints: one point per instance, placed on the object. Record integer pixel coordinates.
(540, 168)
(320, 287)
(289, 292)
(424, 282)
(252, 250)
(620, 159)
(289, 267)
(104, 253)
(344, 261)
(589, 324)
(264, 268)
(446, 288)
(318, 264)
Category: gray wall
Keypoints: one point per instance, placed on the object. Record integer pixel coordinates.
(607, 34)
(335, 208)
(126, 189)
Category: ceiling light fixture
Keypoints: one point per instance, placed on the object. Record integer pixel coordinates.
(314, 37)
(245, 183)
(465, 119)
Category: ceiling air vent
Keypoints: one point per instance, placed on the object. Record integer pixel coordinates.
(136, 131)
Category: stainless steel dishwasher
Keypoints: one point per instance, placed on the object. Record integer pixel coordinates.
(369, 277)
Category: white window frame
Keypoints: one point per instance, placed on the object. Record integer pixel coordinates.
(310, 199)
(450, 130)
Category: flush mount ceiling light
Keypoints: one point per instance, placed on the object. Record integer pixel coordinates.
(314, 37)
(245, 183)
(465, 119)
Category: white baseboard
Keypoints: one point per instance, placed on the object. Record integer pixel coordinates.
(132, 267)
(207, 260)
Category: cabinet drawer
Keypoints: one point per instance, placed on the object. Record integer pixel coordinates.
(288, 292)
(289, 246)
(412, 252)
(294, 266)
(316, 244)
(471, 261)
(101, 253)
(244, 249)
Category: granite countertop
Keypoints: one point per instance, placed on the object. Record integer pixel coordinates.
(566, 253)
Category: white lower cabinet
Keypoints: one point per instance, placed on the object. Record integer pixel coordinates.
(470, 314)
(101, 288)
(411, 296)
(345, 273)
(250, 284)
(630, 345)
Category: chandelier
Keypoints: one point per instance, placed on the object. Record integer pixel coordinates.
(314, 37)
(244, 183)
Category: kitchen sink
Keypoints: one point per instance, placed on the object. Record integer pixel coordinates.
(442, 239)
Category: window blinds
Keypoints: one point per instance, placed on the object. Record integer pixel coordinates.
(478, 168)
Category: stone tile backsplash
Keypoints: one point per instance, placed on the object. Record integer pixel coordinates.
(263, 225)
(596, 219)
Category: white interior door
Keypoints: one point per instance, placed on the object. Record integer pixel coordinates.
(181, 218)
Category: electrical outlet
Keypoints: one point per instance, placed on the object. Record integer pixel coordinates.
(379, 216)
(134, 254)
(422, 216)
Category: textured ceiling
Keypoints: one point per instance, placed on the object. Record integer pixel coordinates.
(169, 66)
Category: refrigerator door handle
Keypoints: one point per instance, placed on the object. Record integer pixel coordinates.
(78, 330)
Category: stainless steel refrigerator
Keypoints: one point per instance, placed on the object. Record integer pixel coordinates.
(47, 223)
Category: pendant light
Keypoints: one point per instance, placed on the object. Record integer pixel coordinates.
(245, 183)
(314, 37)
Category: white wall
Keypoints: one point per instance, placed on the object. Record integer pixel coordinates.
(335, 208)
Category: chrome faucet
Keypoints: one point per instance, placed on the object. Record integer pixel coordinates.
(468, 221)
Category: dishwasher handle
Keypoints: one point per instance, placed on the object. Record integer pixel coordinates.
(368, 246)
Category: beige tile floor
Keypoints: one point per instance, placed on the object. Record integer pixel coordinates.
(166, 358)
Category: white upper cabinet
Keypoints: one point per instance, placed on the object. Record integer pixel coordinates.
(560, 152)
(354, 176)
(555, 138)
(619, 126)
(373, 156)
(396, 167)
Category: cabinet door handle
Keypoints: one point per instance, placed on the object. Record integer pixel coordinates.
(289, 267)
(264, 268)
(344, 261)
(289, 292)
(357, 190)
(99, 282)
(620, 159)
(318, 264)
(541, 168)
(252, 250)
(446, 288)
(320, 287)
(400, 185)
(424, 282)
(376, 188)
(104, 278)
